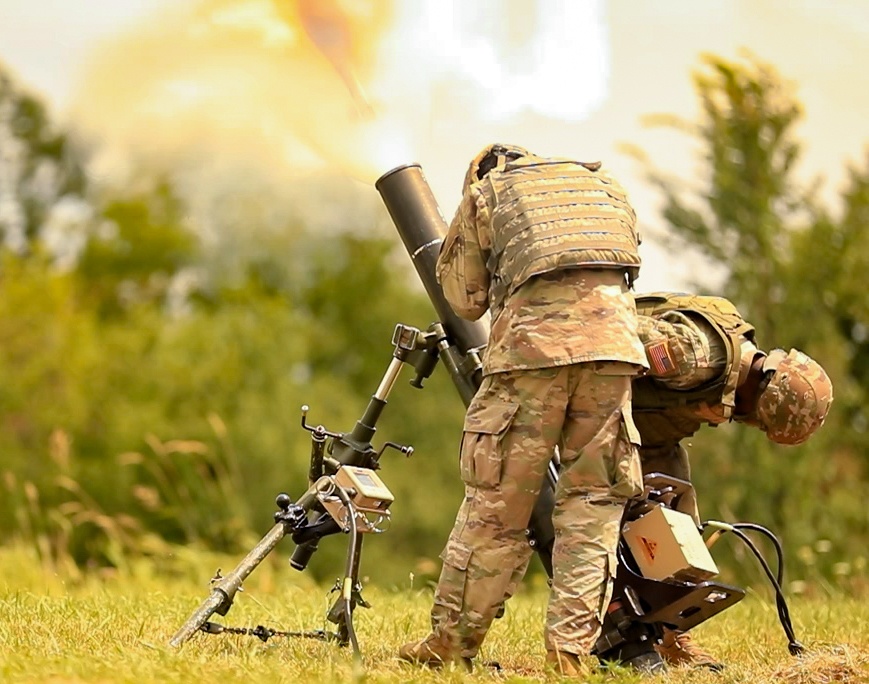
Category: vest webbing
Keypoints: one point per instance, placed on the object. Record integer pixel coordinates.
(549, 215)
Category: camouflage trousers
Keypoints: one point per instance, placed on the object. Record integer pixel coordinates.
(672, 460)
(511, 430)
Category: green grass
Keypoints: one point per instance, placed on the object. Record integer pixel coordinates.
(115, 628)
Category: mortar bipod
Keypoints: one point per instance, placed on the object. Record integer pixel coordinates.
(345, 489)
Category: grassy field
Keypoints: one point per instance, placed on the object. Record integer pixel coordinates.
(115, 628)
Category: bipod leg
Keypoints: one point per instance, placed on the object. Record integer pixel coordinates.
(341, 612)
(289, 518)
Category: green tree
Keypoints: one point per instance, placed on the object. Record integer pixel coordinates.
(39, 166)
(739, 210)
(141, 246)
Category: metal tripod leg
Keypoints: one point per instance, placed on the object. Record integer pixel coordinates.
(341, 612)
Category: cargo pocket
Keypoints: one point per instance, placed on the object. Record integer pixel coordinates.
(450, 591)
(626, 476)
(486, 423)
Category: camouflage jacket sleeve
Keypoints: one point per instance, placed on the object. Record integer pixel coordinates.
(461, 266)
(682, 353)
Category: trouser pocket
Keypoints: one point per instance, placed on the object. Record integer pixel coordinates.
(450, 592)
(626, 474)
(486, 424)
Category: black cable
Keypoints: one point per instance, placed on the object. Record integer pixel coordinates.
(794, 646)
(781, 604)
(778, 547)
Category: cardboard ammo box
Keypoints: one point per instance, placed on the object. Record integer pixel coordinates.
(667, 546)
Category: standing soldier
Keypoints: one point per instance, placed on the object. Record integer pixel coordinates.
(549, 248)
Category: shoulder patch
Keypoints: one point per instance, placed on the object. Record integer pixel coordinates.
(660, 359)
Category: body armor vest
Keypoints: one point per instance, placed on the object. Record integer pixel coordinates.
(549, 215)
(665, 416)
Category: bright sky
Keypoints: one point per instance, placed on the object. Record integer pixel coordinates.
(484, 88)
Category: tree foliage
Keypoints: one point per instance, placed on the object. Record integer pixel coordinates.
(38, 166)
(141, 245)
(737, 211)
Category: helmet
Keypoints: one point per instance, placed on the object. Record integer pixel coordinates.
(795, 402)
(490, 157)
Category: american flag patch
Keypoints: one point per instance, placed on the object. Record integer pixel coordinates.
(660, 361)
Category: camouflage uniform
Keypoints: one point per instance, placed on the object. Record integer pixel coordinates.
(700, 353)
(699, 356)
(706, 368)
(562, 351)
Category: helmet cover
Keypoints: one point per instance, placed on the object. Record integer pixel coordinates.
(797, 398)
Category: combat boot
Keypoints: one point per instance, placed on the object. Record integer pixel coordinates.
(436, 650)
(568, 664)
(678, 648)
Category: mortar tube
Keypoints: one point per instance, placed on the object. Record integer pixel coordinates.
(422, 227)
